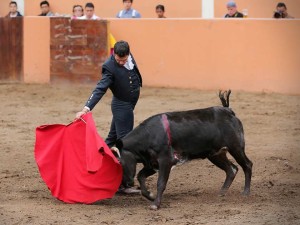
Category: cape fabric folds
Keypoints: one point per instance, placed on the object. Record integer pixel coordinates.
(75, 162)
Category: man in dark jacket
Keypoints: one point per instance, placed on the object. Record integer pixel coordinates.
(13, 10)
(121, 75)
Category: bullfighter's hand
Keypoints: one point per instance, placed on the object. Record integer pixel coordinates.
(81, 113)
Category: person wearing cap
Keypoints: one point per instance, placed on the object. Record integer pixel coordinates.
(232, 11)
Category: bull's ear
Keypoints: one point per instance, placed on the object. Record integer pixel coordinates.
(119, 144)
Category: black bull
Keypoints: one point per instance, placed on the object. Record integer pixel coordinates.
(164, 140)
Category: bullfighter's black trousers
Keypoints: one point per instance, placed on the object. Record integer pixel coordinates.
(123, 118)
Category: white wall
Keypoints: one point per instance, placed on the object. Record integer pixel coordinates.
(20, 6)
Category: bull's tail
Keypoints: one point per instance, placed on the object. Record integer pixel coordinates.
(224, 97)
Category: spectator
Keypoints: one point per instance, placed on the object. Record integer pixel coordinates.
(77, 11)
(89, 12)
(160, 11)
(232, 11)
(128, 12)
(89, 15)
(45, 7)
(13, 10)
(281, 12)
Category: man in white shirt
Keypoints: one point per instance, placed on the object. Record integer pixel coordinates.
(89, 12)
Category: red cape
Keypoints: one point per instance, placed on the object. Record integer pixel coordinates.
(75, 162)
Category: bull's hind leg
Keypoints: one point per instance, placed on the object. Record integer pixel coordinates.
(241, 158)
(220, 160)
(142, 176)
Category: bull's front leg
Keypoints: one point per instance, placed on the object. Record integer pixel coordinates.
(165, 166)
(142, 176)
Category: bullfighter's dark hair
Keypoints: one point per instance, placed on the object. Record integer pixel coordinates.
(44, 3)
(122, 48)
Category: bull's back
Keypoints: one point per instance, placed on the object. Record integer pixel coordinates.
(195, 133)
(198, 133)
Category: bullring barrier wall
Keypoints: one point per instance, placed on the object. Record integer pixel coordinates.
(249, 55)
(174, 8)
(43, 50)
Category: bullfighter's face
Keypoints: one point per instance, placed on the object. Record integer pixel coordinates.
(121, 60)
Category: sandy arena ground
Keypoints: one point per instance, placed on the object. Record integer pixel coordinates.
(272, 131)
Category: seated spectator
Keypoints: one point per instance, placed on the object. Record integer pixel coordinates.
(232, 11)
(281, 12)
(45, 7)
(90, 15)
(89, 12)
(13, 10)
(77, 11)
(128, 12)
(160, 11)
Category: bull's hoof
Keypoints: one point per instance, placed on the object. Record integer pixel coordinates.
(222, 193)
(151, 196)
(153, 207)
(246, 193)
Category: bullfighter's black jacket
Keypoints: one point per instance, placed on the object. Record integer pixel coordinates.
(118, 79)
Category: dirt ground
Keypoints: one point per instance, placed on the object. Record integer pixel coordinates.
(272, 131)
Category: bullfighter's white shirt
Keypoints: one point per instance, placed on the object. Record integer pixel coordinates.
(129, 64)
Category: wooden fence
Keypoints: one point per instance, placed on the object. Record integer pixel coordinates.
(78, 49)
(11, 49)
